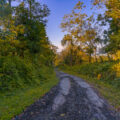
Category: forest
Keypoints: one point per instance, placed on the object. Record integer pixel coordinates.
(28, 59)
(26, 55)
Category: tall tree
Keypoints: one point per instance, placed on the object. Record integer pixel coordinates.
(25, 33)
(69, 42)
(80, 27)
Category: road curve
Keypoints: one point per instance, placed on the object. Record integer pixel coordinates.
(71, 99)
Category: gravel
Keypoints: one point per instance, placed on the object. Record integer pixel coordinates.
(71, 99)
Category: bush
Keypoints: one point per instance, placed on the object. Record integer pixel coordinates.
(102, 71)
(18, 73)
(13, 73)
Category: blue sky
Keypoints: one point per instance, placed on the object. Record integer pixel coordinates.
(58, 9)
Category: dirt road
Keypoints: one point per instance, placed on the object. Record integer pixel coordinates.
(71, 99)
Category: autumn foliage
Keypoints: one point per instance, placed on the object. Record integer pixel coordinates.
(92, 41)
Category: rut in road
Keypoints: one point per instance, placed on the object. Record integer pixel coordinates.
(71, 99)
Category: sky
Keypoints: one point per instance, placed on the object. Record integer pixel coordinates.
(58, 9)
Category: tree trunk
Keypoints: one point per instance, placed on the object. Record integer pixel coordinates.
(96, 60)
(96, 56)
(30, 6)
(71, 57)
(71, 60)
(9, 2)
(109, 58)
(89, 58)
(101, 59)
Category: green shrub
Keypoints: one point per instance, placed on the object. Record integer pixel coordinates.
(13, 72)
(18, 73)
(101, 71)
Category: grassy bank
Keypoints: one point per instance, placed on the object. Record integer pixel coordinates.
(101, 76)
(25, 87)
(14, 103)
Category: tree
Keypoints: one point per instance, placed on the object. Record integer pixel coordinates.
(34, 25)
(80, 27)
(112, 17)
(113, 7)
(69, 42)
(5, 9)
(25, 32)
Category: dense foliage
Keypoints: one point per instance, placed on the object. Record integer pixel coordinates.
(24, 46)
(102, 72)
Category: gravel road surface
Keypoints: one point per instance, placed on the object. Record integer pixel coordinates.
(71, 99)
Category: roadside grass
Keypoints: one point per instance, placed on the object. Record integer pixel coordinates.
(14, 103)
(108, 90)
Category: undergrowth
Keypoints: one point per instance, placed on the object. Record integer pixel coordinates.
(102, 76)
(22, 82)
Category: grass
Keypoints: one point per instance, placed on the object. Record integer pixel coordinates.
(14, 103)
(109, 91)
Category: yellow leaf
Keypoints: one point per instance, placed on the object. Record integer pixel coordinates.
(62, 115)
